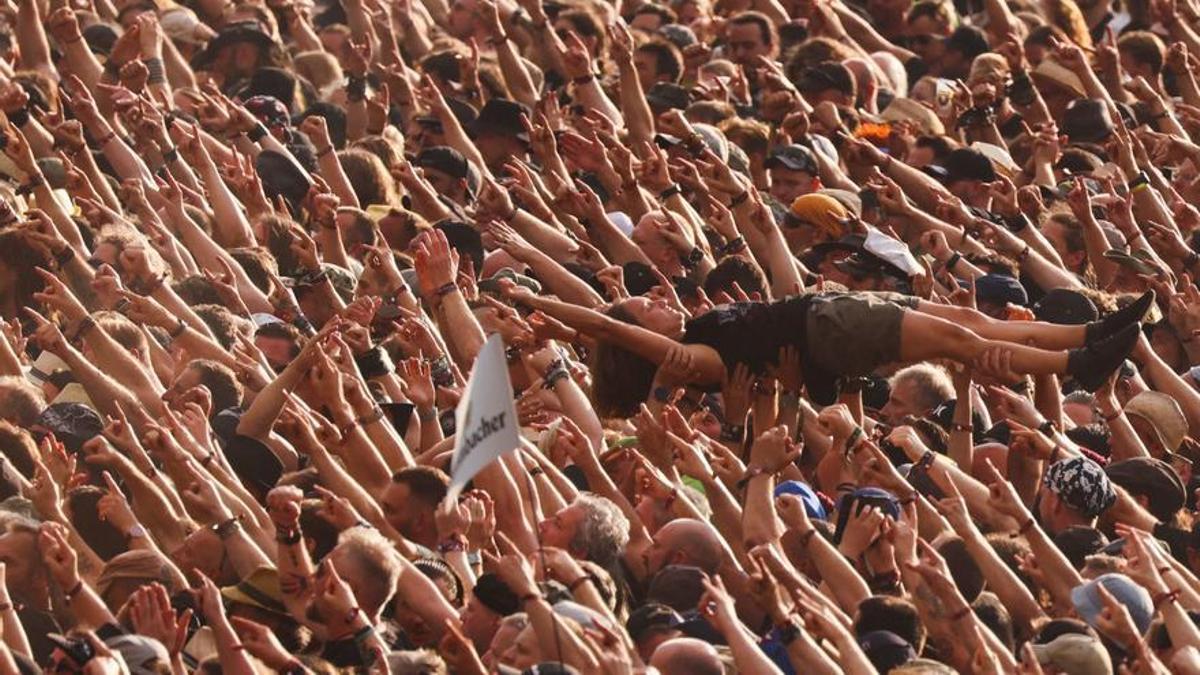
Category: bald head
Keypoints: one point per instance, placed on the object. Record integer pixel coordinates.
(692, 542)
(687, 656)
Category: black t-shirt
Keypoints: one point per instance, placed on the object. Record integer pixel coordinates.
(37, 625)
(751, 332)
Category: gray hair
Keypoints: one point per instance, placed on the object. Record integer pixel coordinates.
(603, 532)
(378, 560)
(933, 384)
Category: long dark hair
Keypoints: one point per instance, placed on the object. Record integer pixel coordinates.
(621, 379)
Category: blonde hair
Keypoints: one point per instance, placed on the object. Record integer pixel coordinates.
(321, 69)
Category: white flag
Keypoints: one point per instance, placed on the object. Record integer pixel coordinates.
(486, 417)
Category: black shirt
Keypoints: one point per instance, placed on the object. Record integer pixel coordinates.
(751, 333)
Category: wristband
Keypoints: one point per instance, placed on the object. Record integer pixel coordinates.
(288, 537)
(1047, 427)
(32, 184)
(854, 439)
(553, 376)
(257, 133)
(177, 330)
(445, 289)
(1026, 526)
(85, 324)
(105, 139)
(157, 73)
(427, 415)
(364, 632)
(455, 542)
(736, 245)
(439, 368)
(584, 79)
(969, 427)
(228, 527)
(530, 596)
(1016, 223)
(70, 595)
(171, 155)
(1139, 182)
(694, 257)
(65, 256)
(371, 417)
(926, 460)
(949, 266)
(732, 432)
(671, 191)
(574, 585)
(19, 118)
(739, 199)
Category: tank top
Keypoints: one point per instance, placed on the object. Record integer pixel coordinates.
(751, 332)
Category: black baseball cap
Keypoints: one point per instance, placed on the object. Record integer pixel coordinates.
(794, 157)
(651, 616)
(968, 164)
(1065, 307)
(501, 117)
(445, 159)
(451, 162)
(1087, 120)
(1000, 289)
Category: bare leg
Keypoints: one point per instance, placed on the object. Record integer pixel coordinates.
(1036, 333)
(924, 336)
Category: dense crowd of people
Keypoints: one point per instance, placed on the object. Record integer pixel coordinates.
(844, 336)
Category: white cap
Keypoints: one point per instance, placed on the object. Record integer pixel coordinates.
(181, 25)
